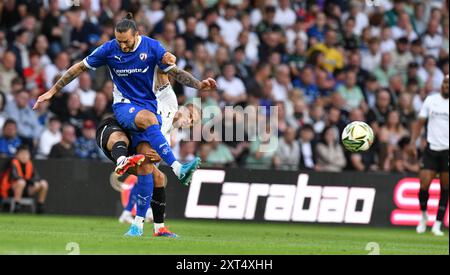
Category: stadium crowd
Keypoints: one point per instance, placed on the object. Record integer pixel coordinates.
(322, 63)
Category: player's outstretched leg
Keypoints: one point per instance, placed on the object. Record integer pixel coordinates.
(443, 201)
(117, 144)
(147, 120)
(144, 192)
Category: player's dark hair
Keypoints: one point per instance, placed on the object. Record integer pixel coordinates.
(127, 23)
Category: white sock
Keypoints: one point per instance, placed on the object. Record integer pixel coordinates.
(424, 215)
(139, 222)
(149, 213)
(176, 167)
(120, 159)
(437, 225)
(157, 226)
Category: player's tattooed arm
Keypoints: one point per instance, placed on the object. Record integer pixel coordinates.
(72, 73)
(187, 79)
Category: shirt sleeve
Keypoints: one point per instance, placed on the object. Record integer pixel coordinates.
(425, 110)
(160, 51)
(97, 58)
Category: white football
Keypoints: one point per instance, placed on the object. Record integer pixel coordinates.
(357, 136)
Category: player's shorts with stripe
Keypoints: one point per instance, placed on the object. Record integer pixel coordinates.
(435, 160)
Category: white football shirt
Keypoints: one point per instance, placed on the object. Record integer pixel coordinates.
(436, 110)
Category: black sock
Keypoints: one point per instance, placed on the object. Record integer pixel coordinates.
(17, 206)
(443, 201)
(40, 208)
(423, 199)
(119, 149)
(158, 204)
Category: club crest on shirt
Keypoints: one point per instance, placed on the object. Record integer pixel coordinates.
(131, 110)
(143, 56)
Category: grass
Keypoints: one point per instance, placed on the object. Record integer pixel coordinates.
(24, 234)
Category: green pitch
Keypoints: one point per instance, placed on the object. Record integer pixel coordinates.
(20, 234)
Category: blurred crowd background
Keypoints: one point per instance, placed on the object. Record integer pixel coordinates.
(322, 63)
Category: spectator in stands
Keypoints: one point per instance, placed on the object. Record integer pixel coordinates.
(7, 71)
(401, 57)
(65, 149)
(284, 15)
(230, 26)
(307, 144)
(99, 109)
(351, 93)
(333, 57)
(287, 156)
(219, 155)
(86, 146)
(384, 72)
(404, 162)
(187, 151)
(73, 113)
(20, 49)
(9, 141)
(85, 92)
(23, 180)
(329, 152)
(371, 58)
(50, 136)
(233, 88)
(62, 63)
(28, 127)
(262, 150)
(377, 116)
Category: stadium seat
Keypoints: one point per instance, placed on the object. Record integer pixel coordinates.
(23, 202)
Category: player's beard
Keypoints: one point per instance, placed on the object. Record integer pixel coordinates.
(445, 95)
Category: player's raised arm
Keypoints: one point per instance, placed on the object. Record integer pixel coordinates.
(72, 73)
(187, 79)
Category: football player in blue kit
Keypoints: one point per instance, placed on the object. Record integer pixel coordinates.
(132, 60)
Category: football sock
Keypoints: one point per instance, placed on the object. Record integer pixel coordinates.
(158, 204)
(423, 199)
(143, 194)
(132, 198)
(119, 150)
(443, 201)
(139, 222)
(160, 144)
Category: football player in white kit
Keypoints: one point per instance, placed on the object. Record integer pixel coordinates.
(435, 159)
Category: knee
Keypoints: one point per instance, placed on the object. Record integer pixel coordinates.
(117, 137)
(44, 185)
(20, 184)
(145, 119)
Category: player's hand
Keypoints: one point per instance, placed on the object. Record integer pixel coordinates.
(208, 84)
(153, 156)
(169, 59)
(45, 97)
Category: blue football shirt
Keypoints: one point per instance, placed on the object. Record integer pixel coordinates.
(132, 72)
